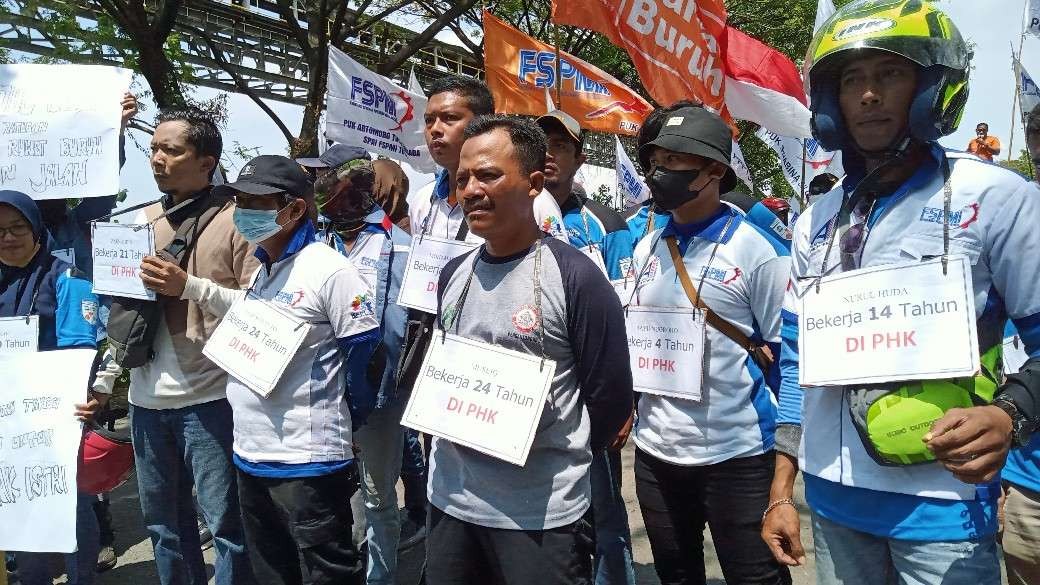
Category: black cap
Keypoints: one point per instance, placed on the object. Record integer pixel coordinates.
(694, 130)
(269, 174)
(336, 155)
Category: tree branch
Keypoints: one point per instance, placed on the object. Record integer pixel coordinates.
(420, 40)
(286, 12)
(475, 48)
(218, 56)
(380, 16)
(166, 18)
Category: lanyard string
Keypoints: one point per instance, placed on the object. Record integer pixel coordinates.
(845, 213)
(457, 317)
(711, 259)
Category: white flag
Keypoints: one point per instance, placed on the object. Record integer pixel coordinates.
(824, 10)
(1029, 93)
(550, 105)
(413, 83)
(789, 151)
(740, 166)
(1033, 17)
(367, 110)
(631, 188)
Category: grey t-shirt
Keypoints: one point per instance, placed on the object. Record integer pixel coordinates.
(589, 400)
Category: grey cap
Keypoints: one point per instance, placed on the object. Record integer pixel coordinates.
(336, 155)
(561, 119)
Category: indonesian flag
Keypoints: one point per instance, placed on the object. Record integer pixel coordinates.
(764, 86)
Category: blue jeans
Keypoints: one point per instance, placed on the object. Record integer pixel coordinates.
(413, 462)
(613, 540)
(174, 450)
(35, 569)
(845, 557)
(381, 444)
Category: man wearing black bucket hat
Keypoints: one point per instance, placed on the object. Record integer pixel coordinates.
(704, 432)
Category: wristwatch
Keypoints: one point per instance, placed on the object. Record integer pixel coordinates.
(1021, 427)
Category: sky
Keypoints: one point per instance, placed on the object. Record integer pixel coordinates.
(994, 26)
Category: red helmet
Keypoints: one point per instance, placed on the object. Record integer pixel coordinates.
(776, 204)
(106, 460)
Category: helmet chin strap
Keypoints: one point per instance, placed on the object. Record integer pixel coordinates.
(895, 152)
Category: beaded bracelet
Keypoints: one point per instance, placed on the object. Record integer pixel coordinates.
(775, 504)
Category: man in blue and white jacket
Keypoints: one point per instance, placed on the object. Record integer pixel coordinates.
(883, 96)
(359, 230)
(293, 448)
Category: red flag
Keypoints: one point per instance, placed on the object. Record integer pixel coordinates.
(676, 45)
(764, 86)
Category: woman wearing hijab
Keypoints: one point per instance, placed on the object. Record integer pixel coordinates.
(35, 283)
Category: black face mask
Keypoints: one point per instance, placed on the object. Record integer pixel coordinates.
(670, 189)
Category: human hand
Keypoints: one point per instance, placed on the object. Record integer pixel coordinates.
(972, 443)
(165, 278)
(87, 411)
(129, 105)
(781, 529)
(622, 437)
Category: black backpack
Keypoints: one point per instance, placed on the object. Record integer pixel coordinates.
(133, 323)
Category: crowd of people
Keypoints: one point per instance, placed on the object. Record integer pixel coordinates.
(554, 275)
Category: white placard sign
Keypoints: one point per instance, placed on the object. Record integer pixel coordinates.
(61, 144)
(1014, 356)
(889, 323)
(118, 250)
(39, 447)
(481, 396)
(255, 343)
(666, 349)
(425, 262)
(19, 334)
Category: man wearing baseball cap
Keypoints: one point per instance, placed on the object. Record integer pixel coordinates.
(603, 236)
(296, 468)
(704, 451)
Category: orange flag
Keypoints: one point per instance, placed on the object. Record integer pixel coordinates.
(520, 69)
(676, 45)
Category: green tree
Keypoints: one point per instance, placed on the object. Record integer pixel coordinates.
(1022, 165)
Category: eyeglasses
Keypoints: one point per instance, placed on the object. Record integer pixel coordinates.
(18, 230)
(851, 243)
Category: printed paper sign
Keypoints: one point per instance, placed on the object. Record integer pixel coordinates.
(596, 255)
(118, 251)
(666, 348)
(60, 144)
(1015, 355)
(481, 396)
(889, 323)
(65, 254)
(39, 447)
(19, 334)
(425, 262)
(255, 342)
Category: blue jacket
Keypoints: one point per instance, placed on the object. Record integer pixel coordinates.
(389, 268)
(589, 222)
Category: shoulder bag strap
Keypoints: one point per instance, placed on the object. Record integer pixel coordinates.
(722, 325)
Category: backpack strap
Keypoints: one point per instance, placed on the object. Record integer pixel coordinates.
(187, 233)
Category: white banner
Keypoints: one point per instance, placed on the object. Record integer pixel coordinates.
(118, 251)
(740, 166)
(889, 323)
(60, 144)
(631, 188)
(1029, 93)
(19, 334)
(39, 447)
(666, 349)
(367, 110)
(421, 274)
(789, 151)
(479, 395)
(1033, 17)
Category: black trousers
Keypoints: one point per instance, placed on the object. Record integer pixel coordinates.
(677, 501)
(298, 530)
(460, 553)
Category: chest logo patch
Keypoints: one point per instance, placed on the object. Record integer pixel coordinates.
(89, 310)
(723, 275)
(962, 218)
(526, 319)
(289, 297)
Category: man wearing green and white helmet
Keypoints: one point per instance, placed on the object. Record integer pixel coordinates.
(900, 475)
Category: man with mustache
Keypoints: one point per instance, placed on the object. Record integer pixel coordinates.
(490, 520)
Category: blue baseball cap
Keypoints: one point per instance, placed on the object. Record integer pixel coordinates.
(336, 155)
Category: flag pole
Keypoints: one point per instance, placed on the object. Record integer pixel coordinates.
(805, 154)
(559, 79)
(1016, 63)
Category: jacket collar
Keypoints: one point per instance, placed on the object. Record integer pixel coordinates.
(712, 229)
(305, 234)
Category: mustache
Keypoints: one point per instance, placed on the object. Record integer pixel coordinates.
(470, 205)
